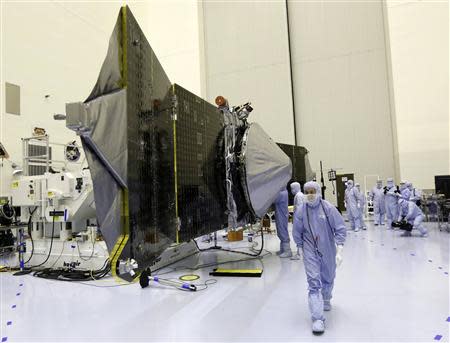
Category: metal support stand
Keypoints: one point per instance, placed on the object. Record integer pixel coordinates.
(21, 248)
(215, 242)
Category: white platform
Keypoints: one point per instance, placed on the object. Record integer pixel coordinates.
(386, 290)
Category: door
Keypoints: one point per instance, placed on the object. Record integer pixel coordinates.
(340, 189)
(442, 185)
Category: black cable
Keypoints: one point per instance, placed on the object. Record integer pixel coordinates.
(69, 275)
(60, 254)
(205, 284)
(74, 275)
(107, 265)
(51, 245)
(30, 234)
(248, 254)
(235, 251)
(106, 286)
(86, 275)
(77, 275)
(92, 254)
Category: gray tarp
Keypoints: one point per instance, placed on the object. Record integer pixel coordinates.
(110, 77)
(268, 169)
(106, 152)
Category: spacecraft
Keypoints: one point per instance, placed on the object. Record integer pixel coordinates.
(167, 166)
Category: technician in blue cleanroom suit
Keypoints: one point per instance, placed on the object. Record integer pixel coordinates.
(362, 206)
(404, 190)
(319, 232)
(410, 212)
(391, 200)
(415, 194)
(281, 222)
(299, 199)
(298, 195)
(352, 200)
(377, 197)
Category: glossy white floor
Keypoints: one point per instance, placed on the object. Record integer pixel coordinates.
(389, 288)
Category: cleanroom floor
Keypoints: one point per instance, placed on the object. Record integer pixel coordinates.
(389, 288)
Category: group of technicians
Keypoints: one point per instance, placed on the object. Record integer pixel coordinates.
(319, 231)
(355, 202)
(397, 203)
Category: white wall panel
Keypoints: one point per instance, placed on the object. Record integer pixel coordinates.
(341, 86)
(419, 39)
(246, 58)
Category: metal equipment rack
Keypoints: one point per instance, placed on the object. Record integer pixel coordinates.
(40, 160)
(444, 217)
(18, 234)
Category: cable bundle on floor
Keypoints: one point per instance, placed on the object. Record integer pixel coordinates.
(71, 275)
(74, 274)
(65, 274)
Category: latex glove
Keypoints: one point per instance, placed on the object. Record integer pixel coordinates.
(298, 255)
(339, 257)
(358, 205)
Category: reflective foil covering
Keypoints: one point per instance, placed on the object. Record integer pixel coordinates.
(301, 169)
(268, 169)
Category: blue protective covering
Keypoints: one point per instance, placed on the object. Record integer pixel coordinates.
(281, 219)
(415, 194)
(352, 202)
(298, 195)
(379, 207)
(412, 214)
(405, 193)
(295, 188)
(318, 227)
(299, 199)
(402, 209)
(362, 205)
(391, 200)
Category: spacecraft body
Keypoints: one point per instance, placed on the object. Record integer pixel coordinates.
(166, 165)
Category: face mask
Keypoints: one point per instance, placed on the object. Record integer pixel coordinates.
(311, 198)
